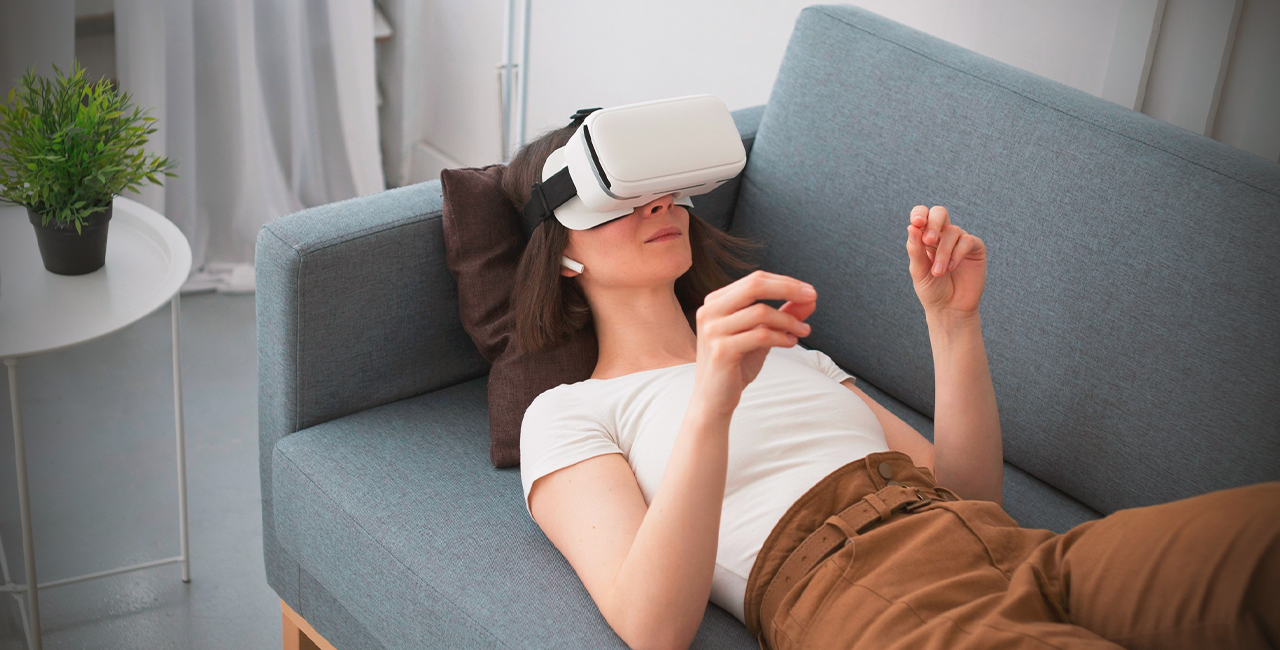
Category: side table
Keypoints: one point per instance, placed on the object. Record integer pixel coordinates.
(148, 260)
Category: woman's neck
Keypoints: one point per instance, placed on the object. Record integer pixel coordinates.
(641, 329)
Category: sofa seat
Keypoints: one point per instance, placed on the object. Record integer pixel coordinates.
(397, 512)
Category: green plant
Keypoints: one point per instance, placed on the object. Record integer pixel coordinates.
(67, 146)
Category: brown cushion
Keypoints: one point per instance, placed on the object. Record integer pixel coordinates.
(483, 243)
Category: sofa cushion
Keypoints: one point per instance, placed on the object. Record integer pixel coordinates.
(397, 512)
(1133, 282)
(483, 243)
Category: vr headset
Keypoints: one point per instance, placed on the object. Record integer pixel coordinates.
(624, 157)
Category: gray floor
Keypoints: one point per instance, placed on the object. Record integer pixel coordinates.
(101, 457)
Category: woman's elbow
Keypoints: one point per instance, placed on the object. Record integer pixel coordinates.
(660, 639)
(661, 635)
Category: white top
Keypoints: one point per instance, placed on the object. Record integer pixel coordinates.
(148, 259)
(794, 425)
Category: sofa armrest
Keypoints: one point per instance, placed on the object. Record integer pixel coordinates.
(716, 207)
(355, 308)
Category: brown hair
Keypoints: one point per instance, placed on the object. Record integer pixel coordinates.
(548, 307)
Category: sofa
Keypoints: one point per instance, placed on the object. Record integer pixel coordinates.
(1131, 318)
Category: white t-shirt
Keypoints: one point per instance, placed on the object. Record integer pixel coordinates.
(794, 425)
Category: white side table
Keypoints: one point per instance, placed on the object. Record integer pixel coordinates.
(148, 259)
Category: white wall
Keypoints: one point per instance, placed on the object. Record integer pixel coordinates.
(40, 33)
(1249, 110)
(1190, 62)
(1139, 53)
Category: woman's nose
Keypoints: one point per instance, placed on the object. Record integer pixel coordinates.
(659, 205)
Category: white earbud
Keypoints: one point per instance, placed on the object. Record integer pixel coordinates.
(576, 266)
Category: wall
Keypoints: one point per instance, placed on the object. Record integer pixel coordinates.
(1143, 54)
(1249, 112)
(34, 31)
(439, 85)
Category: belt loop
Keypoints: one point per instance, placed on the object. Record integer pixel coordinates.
(843, 525)
(881, 507)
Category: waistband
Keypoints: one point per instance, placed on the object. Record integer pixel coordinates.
(843, 504)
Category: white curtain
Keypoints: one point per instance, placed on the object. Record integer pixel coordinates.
(267, 106)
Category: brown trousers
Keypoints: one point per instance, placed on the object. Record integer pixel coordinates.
(1199, 573)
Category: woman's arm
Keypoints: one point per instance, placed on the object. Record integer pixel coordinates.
(948, 269)
(967, 448)
(649, 569)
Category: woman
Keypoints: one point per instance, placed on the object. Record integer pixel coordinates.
(709, 456)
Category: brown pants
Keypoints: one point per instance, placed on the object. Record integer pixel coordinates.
(1198, 573)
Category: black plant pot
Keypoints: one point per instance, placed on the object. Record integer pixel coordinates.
(66, 252)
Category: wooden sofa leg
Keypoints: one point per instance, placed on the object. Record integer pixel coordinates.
(298, 633)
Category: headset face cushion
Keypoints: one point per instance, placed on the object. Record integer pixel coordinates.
(483, 243)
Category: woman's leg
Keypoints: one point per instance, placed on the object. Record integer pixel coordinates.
(945, 578)
(1198, 573)
(1202, 572)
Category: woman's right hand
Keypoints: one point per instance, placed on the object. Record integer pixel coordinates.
(735, 333)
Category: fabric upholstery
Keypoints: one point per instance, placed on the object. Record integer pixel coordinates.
(396, 512)
(1132, 294)
(355, 308)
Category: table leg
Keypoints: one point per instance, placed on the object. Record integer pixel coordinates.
(24, 505)
(182, 444)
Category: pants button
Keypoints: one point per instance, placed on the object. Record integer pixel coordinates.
(886, 470)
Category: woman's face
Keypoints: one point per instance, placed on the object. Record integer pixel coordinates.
(635, 250)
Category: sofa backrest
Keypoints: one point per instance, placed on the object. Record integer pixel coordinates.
(1132, 305)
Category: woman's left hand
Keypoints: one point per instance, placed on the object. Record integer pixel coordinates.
(948, 265)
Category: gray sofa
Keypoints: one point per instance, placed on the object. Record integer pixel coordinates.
(1131, 315)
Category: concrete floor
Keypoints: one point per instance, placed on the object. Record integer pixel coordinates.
(101, 458)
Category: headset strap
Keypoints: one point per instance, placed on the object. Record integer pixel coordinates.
(545, 197)
(577, 118)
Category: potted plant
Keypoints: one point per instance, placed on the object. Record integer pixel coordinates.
(67, 148)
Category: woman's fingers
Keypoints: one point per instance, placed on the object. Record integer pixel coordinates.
(754, 339)
(920, 217)
(942, 257)
(916, 254)
(759, 285)
(963, 247)
(801, 310)
(938, 220)
(755, 316)
(973, 248)
(718, 293)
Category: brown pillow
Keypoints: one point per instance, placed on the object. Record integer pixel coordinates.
(483, 243)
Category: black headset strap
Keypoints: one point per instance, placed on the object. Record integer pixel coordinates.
(577, 118)
(545, 197)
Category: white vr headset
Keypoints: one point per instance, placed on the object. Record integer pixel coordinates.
(624, 157)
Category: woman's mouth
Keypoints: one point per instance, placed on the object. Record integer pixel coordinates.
(666, 234)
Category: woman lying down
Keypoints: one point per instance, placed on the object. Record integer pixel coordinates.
(711, 456)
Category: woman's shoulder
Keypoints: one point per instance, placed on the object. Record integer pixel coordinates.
(576, 403)
(561, 415)
(556, 398)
